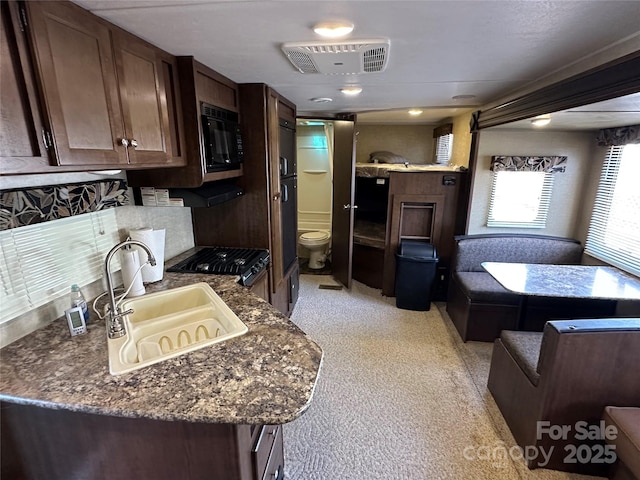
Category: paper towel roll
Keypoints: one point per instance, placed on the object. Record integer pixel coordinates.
(154, 239)
(130, 262)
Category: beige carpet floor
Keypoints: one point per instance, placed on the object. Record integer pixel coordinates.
(399, 396)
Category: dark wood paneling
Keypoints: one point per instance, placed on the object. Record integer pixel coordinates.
(59, 444)
(215, 89)
(421, 188)
(368, 265)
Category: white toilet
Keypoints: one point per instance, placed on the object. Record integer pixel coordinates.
(317, 244)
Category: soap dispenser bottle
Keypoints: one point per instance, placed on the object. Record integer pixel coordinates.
(77, 300)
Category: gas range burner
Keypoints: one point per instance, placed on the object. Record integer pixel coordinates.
(247, 263)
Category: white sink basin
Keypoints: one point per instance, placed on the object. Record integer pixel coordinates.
(166, 324)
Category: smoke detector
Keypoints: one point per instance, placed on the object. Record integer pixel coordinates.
(338, 58)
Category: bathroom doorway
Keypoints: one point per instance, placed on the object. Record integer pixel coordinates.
(315, 195)
(326, 165)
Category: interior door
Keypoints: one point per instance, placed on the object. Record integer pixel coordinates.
(343, 197)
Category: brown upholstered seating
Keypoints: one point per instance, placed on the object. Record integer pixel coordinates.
(626, 421)
(562, 376)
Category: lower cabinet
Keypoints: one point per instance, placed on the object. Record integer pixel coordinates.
(58, 444)
(267, 453)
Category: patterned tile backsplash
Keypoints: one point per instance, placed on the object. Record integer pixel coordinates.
(28, 206)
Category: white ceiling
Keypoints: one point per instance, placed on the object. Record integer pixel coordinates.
(438, 49)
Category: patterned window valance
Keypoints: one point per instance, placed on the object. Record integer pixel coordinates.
(443, 130)
(611, 137)
(553, 164)
(42, 204)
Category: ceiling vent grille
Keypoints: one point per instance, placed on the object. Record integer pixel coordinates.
(338, 58)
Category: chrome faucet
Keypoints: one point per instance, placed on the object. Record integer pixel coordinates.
(114, 317)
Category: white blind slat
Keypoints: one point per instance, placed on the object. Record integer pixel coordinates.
(614, 230)
(444, 145)
(40, 262)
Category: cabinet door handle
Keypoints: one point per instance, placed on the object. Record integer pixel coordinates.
(134, 143)
(276, 196)
(124, 142)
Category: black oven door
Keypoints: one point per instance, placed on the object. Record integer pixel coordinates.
(220, 144)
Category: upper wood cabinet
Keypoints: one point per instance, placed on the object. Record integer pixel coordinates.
(76, 69)
(198, 83)
(104, 91)
(21, 126)
(144, 101)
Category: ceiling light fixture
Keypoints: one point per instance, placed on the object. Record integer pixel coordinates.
(321, 99)
(463, 97)
(351, 90)
(541, 120)
(415, 112)
(333, 29)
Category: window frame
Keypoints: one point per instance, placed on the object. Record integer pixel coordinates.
(543, 203)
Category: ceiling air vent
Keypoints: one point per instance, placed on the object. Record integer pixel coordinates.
(338, 58)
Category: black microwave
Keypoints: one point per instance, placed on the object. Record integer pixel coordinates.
(221, 138)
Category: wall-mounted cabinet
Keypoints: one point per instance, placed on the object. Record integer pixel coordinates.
(22, 144)
(199, 84)
(97, 96)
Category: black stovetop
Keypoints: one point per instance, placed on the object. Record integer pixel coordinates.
(245, 262)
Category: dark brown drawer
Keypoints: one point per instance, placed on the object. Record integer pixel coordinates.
(262, 448)
(275, 466)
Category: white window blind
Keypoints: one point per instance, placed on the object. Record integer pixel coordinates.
(444, 144)
(520, 199)
(614, 231)
(39, 263)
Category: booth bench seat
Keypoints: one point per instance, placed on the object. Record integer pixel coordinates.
(480, 308)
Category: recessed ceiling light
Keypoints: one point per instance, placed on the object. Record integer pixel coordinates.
(463, 97)
(415, 112)
(321, 99)
(541, 120)
(351, 90)
(333, 29)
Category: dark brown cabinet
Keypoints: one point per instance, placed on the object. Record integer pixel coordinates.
(407, 205)
(199, 84)
(59, 444)
(143, 94)
(104, 95)
(22, 145)
(255, 220)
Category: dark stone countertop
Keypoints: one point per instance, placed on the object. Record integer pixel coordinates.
(266, 376)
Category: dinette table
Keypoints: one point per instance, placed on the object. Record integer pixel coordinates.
(588, 282)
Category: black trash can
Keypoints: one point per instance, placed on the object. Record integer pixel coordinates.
(416, 263)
